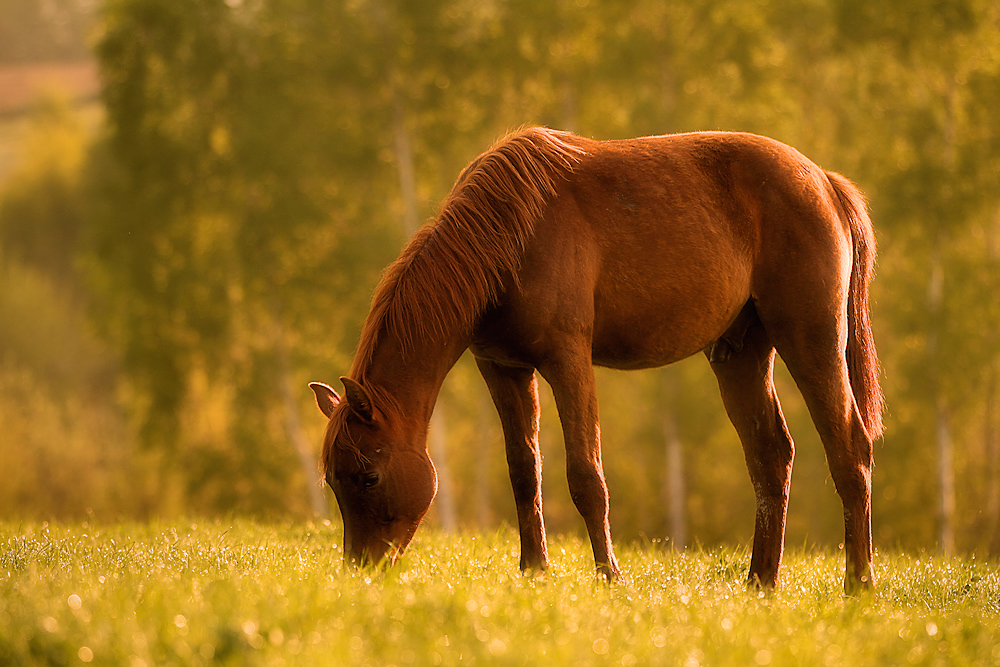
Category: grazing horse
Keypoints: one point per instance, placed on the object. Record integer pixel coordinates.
(554, 253)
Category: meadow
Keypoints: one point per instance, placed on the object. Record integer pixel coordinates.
(239, 592)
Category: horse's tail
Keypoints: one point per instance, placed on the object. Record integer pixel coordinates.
(862, 358)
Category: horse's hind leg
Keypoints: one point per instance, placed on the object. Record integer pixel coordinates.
(747, 386)
(813, 346)
(515, 394)
(820, 371)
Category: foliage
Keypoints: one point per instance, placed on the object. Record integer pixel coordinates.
(41, 212)
(66, 447)
(236, 592)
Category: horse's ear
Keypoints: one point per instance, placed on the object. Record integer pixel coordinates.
(358, 398)
(326, 398)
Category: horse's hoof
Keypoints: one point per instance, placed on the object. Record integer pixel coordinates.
(610, 573)
(856, 587)
(765, 585)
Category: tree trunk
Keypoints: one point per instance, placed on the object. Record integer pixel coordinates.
(674, 494)
(293, 424)
(484, 508)
(568, 95)
(404, 163)
(942, 427)
(946, 479)
(935, 299)
(990, 440)
(675, 481)
(439, 453)
(992, 456)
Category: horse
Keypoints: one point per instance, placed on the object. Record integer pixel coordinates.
(554, 253)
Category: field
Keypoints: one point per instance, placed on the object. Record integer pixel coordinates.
(239, 592)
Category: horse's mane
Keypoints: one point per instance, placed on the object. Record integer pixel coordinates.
(454, 266)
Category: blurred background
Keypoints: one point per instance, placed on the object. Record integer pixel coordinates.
(197, 198)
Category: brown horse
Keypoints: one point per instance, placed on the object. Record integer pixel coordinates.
(554, 253)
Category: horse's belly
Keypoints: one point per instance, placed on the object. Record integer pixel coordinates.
(630, 342)
(657, 322)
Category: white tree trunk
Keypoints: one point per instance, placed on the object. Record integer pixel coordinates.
(946, 479)
(674, 489)
(674, 493)
(439, 453)
(293, 423)
(404, 163)
(484, 508)
(992, 459)
(935, 298)
(942, 427)
(990, 441)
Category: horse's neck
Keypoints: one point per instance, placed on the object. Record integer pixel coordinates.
(413, 377)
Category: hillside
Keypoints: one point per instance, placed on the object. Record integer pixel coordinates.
(22, 85)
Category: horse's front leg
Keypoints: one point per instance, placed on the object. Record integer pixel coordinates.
(515, 394)
(572, 379)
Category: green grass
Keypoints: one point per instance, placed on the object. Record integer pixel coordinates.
(245, 593)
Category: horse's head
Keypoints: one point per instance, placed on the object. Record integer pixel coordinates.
(383, 479)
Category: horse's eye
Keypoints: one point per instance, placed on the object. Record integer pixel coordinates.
(370, 479)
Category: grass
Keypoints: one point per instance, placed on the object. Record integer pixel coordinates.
(246, 593)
